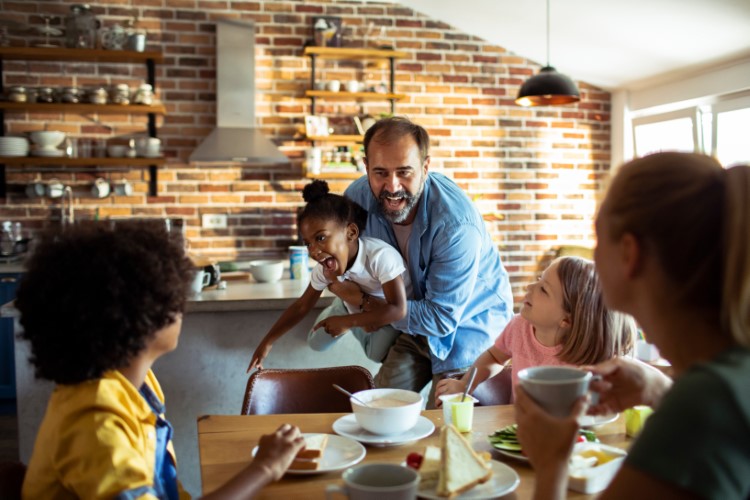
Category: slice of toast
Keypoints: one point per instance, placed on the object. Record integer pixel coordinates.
(314, 446)
(460, 467)
(429, 470)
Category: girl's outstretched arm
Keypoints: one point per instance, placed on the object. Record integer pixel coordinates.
(289, 318)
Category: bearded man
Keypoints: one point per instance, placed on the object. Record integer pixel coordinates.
(461, 297)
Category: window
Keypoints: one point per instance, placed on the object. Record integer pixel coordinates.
(731, 131)
(676, 131)
(720, 128)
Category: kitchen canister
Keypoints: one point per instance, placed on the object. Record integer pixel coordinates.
(298, 262)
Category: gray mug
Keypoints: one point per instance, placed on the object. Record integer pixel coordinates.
(555, 388)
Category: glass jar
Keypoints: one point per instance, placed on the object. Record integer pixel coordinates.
(17, 94)
(120, 94)
(144, 95)
(46, 95)
(71, 95)
(80, 27)
(98, 95)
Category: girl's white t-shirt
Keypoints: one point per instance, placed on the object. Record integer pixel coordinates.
(376, 263)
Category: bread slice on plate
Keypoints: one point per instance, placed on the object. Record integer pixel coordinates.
(309, 457)
(429, 470)
(461, 468)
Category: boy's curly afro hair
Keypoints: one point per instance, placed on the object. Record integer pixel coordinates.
(93, 295)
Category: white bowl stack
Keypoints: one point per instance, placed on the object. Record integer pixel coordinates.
(46, 142)
(14, 146)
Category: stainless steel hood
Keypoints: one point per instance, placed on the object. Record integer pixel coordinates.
(236, 137)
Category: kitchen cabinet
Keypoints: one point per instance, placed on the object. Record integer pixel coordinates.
(8, 285)
(364, 56)
(83, 55)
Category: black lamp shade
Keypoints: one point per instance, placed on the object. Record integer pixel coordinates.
(548, 88)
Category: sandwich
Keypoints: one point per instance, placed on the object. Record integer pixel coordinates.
(310, 457)
(461, 468)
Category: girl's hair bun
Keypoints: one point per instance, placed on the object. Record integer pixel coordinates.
(315, 190)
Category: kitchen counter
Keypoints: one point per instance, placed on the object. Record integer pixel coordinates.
(252, 296)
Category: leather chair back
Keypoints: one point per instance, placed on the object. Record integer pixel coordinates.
(495, 390)
(308, 390)
(11, 480)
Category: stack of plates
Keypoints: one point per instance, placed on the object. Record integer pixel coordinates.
(45, 151)
(14, 146)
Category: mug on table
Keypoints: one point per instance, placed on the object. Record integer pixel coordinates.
(377, 481)
(555, 388)
(200, 280)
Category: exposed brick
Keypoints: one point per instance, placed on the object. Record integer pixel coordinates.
(457, 85)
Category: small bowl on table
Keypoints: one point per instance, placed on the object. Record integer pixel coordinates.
(389, 411)
(267, 271)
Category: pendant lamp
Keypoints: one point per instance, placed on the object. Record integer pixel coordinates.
(548, 88)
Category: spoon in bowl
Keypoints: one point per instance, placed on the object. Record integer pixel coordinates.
(355, 398)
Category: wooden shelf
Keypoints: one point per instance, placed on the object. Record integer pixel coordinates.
(336, 138)
(334, 175)
(82, 162)
(82, 108)
(353, 53)
(84, 55)
(354, 96)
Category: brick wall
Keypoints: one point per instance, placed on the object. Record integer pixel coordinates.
(534, 173)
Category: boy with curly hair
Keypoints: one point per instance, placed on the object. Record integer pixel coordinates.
(99, 306)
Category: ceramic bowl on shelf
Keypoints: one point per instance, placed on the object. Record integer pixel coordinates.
(267, 271)
(47, 139)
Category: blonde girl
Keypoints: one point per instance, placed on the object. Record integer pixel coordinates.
(563, 321)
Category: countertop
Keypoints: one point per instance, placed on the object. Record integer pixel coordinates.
(238, 296)
(252, 296)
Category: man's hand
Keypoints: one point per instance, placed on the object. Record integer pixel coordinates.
(346, 290)
(334, 325)
(277, 451)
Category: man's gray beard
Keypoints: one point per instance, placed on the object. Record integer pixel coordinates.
(399, 216)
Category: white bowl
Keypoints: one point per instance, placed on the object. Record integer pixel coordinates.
(47, 138)
(267, 271)
(389, 419)
(595, 479)
(116, 150)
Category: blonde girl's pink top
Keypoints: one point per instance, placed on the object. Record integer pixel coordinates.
(518, 342)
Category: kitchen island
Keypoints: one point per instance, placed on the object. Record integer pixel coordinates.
(206, 373)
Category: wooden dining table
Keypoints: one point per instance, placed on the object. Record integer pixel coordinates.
(226, 443)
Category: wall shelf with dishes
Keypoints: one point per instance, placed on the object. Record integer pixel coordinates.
(356, 90)
(20, 104)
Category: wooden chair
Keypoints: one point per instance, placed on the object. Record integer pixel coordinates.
(307, 390)
(495, 390)
(11, 480)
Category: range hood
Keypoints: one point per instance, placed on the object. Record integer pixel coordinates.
(236, 137)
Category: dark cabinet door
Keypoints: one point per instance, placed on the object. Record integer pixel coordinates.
(8, 285)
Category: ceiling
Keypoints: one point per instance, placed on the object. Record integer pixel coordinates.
(613, 44)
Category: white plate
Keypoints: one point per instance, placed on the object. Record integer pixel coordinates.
(594, 420)
(339, 453)
(503, 481)
(516, 455)
(348, 426)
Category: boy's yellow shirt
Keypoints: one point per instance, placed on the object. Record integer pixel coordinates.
(97, 440)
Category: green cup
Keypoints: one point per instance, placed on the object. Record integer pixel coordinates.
(463, 414)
